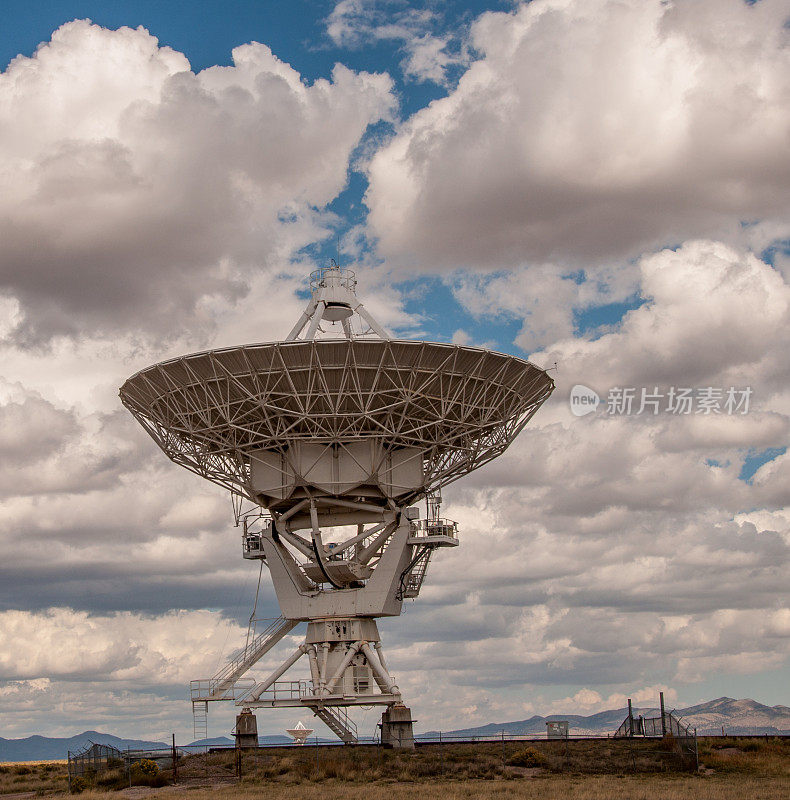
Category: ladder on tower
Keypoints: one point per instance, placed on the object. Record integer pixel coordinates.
(200, 720)
(338, 722)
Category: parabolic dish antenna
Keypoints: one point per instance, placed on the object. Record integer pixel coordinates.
(299, 732)
(328, 432)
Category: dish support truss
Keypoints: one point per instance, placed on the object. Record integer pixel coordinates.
(215, 413)
(368, 576)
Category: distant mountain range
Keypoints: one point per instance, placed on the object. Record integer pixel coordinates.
(43, 748)
(737, 717)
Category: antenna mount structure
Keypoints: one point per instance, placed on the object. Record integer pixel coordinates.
(334, 299)
(326, 434)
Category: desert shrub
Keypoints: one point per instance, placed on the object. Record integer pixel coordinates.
(154, 781)
(528, 757)
(22, 770)
(78, 785)
(146, 773)
(148, 767)
(287, 764)
(114, 763)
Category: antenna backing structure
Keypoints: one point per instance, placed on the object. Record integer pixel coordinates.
(348, 432)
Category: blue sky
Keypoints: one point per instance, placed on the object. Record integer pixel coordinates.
(207, 32)
(545, 179)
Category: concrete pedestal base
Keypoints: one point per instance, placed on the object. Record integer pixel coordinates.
(396, 728)
(246, 729)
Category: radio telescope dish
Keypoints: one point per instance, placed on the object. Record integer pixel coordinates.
(299, 732)
(335, 432)
(267, 420)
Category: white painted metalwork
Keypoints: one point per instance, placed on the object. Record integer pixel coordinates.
(338, 721)
(327, 434)
(334, 299)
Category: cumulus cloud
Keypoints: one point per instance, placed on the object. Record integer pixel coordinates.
(132, 188)
(93, 516)
(543, 297)
(74, 706)
(427, 54)
(712, 313)
(149, 650)
(591, 131)
(595, 552)
(632, 603)
(588, 701)
(46, 450)
(125, 671)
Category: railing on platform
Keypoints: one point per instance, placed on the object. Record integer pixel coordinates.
(204, 690)
(285, 690)
(424, 528)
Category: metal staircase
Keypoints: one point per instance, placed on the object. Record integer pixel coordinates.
(411, 582)
(426, 536)
(338, 722)
(221, 686)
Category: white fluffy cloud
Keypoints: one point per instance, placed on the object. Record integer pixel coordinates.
(427, 56)
(132, 188)
(144, 650)
(543, 297)
(591, 130)
(712, 313)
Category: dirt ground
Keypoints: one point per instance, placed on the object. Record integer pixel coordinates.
(551, 787)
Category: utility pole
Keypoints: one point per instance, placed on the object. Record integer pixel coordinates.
(663, 720)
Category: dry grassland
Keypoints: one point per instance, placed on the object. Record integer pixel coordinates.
(33, 776)
(733, 769)
(595, 787)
